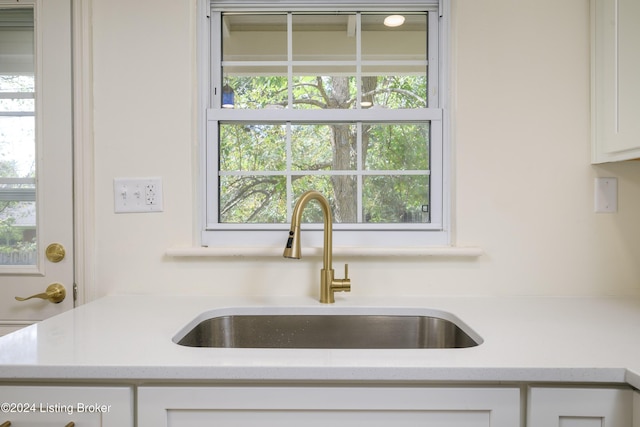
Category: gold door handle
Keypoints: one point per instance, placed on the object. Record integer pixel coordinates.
(71, 424)
(54, 293)
(6, 424)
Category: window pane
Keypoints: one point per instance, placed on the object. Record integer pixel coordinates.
(16, 105)
(17, 186)
(17, 83)
(340, 190)
(260, 37)
(252, 147)
(17, 233)
(253, 199)
(395, 62)
(254, 87)
(396, 146)
(17, 139)
(324, 37)
(330, 87)
(254, 39)
(388, 87)
(407, 42)
(396, 199)
(323, 146)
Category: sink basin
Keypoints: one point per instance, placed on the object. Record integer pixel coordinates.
(332, 331)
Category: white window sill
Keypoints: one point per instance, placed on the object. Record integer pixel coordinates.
(444, 251)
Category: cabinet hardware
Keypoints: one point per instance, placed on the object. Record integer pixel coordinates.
(5, 424)
(71, 424)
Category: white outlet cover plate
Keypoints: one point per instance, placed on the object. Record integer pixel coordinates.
(606, 195)
(137, 195)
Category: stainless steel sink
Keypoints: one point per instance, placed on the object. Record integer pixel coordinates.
(333, 331)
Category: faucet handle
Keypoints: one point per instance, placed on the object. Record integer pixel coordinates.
(340, 285)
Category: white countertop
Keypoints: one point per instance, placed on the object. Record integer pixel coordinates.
(530, 339)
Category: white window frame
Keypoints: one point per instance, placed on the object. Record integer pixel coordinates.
(436, 233)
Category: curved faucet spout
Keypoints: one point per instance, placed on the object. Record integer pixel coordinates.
(292, 249)
(328, 284)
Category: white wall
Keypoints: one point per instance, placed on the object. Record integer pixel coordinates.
(523, 183)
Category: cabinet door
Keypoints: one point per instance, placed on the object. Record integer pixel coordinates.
(616, 88)
(59, 406)
(322, 406)
(578, 407)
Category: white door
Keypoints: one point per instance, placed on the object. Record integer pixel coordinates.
(36, 205)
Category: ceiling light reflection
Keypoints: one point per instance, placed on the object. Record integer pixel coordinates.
(394, 20)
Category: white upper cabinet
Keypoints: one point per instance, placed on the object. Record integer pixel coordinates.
(615, 92)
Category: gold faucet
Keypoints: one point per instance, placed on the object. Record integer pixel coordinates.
(328, 284)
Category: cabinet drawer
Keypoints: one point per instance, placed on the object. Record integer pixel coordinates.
(61, 405)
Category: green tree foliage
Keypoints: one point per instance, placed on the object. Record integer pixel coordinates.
(323, 147)
(15, 129)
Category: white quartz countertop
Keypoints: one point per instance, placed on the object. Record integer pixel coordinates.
(531, 339)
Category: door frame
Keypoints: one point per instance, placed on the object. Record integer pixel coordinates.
(83, 147)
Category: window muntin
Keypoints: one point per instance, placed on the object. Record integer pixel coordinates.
(396, 190)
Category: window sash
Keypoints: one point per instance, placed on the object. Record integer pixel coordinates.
(435, 172)
(432, 63)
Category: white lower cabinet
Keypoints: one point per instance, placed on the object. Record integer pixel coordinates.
(331, 405)
(316, 406)
(580, 407)
(62, 406)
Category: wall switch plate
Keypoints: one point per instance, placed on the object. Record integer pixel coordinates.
(606, 195)
(137, 195)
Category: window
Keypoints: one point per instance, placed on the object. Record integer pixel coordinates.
(339, 101)
(17, 137)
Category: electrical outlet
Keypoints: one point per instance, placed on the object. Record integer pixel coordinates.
(150, 194)
(137, 195)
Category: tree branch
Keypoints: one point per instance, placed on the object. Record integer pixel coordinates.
(396, 90)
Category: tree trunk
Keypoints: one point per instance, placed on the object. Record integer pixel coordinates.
(344, 186)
